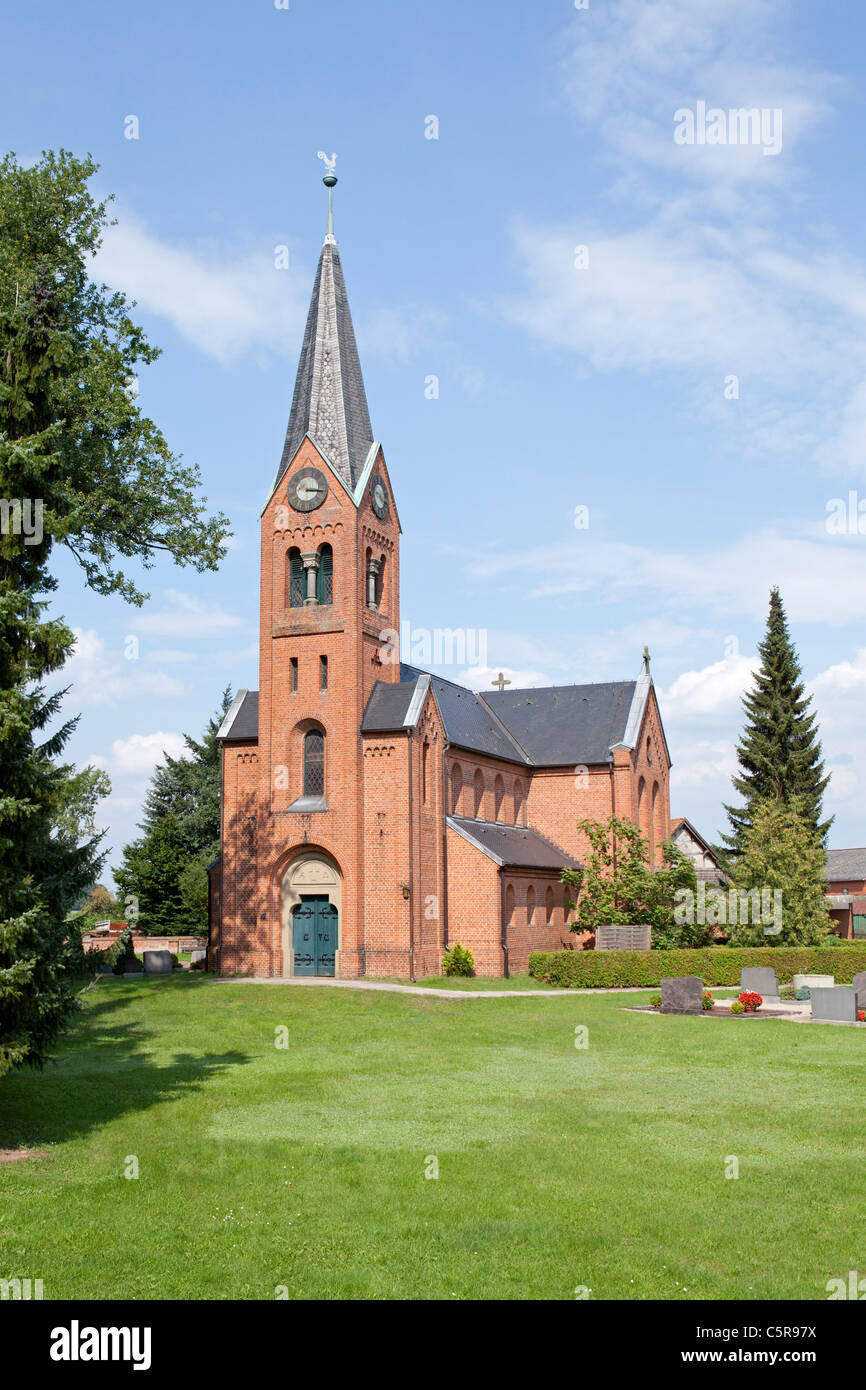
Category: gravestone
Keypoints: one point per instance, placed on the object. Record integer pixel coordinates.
(858, 984)
(817, 981)
(197, 955)
(610, 938)
(838, 1005)
(157, 962)
(762, 980)
(682, 995)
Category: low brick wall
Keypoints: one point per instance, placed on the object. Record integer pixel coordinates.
(148, 943)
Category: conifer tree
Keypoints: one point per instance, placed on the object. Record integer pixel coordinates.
(83, 467)
(783, 853)
(180, 835)
(779, 752)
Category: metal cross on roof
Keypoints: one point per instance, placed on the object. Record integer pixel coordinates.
(501, 682)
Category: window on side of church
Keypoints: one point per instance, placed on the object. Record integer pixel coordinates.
(293, 674)
(296, 581)
(548, 906)
(425, 750)
(498, 797)
(323, 673)
(314, 763)
(325, 575)
(530, 905)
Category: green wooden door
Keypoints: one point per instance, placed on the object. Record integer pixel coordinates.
(314, 936)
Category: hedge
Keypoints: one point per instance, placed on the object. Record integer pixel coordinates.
(716, 965)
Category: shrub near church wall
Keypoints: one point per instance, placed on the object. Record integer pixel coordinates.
(716, 965)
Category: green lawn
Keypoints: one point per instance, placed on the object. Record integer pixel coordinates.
(305, 1167)
(473, 982)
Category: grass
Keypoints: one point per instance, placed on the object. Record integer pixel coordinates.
(305, 1167)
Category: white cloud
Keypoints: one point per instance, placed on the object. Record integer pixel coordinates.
(823, 578)
(98, 675)
(141, 752)
(712, 692)
(226, 307)
(188, 617)
(705, 763)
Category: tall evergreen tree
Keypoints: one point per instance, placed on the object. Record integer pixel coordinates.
(779, 752)
(81, 466)
(180, 835)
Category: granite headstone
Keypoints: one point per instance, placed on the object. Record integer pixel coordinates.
(157, 962)
(858, 984)
(762, 980)
(682, 995)
(838, 1005)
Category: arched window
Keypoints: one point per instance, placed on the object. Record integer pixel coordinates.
(456, 789)
(325, 575)
(530, 905)
(509, 904)
(296, 582)
(658, 827)
(314, 763)
(643, 810)
(498, 797)
(478, 788)
(518, 802)
(548, 906)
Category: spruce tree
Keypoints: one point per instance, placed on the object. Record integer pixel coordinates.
(180, 835)
(779, 752)
(83, 467)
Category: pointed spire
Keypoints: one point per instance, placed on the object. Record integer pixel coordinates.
(329, 402)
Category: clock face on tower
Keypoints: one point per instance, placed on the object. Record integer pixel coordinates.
(307, 489)
(378, 496)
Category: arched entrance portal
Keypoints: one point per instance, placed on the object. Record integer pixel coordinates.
(311, 916)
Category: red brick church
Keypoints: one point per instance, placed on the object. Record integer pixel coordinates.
(374, 813)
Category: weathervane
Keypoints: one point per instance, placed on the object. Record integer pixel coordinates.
(329, 181)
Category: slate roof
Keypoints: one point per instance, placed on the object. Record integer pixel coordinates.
(387, 707)
(242, 720)
(329, 402)
(566, 724)
(846, 863)
(554, 726)
(512, 846)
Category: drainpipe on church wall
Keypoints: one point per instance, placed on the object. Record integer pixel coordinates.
(444, 904)
(504, 924)
(411, 865)
(613, 813)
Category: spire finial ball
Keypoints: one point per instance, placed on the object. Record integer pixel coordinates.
(329, 180)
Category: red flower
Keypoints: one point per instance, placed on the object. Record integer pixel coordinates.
(750, 1000)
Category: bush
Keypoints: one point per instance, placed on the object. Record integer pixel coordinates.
(737, 1007)
(458, 960)
(656, 1001)
(119, 952)
(708, 1002)
(716, 965)
(750, 1001)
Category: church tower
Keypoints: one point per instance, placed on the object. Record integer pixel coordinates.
(293, 815)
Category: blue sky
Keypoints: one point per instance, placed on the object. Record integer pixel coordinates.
(605, 384)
